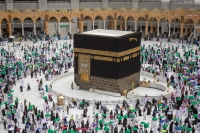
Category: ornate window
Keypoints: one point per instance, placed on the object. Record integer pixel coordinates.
(182, 1)
(90, 0)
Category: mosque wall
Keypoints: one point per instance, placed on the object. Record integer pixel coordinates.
(120, 4)
(58, 6)
(90, 5)
(23, 6)
(149, 5)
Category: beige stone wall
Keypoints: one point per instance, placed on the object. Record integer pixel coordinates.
(106, 84)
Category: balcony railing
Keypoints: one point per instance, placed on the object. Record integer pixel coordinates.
(65, 1)
(25, 1)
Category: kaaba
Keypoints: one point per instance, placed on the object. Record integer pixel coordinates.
(107, 60)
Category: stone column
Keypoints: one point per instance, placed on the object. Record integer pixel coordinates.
(10, 29)
(135, 26)
(81, 26)
(22, 29)
(93, 25)
(58, 25)
(104, 24)
(115, 24)
(70, 27)
(174, 29)
(186, 31)
(158, 32)
(146, 29)
(46, 29)
(163, 24)
(195, 29)
(169, 34)
(181, 30)
(151, 30)
(121, 24)
(125, 26)
(190, 28)
(0, 31)
(34, 28)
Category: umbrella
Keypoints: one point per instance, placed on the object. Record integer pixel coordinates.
(120, 117)
(64, 131)
(12, 105)
(146, 125)
(16, 101)
(132, 116)
(176, 119)
(106, 124)
(125, 116)
(142, 122)
(194, 103)
(131, 108)
(57, 120)
(189, 129)
(183, 127)
(134, 128)
(38, 115)
(161, 117)
(96, 114)
(47, 115)
(134, 110)
(165, 126)
(163, 131)
(103, 115)
(178, 99)
(8, 114)
(44, 97)
(97, 128)
(128, 131)
(154, 119)
(195, 115)
(106, 128)
(11, 90)
(191, 97)
(72, 131)
(9, 95)
(100, 121)
(111, 122)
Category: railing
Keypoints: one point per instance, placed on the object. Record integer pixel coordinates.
(66, 1)
(25, 1)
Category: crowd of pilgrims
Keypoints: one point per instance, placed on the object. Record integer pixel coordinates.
(179, 113)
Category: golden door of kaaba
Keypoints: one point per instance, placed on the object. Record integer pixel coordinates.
(84, 67)
(84, 77)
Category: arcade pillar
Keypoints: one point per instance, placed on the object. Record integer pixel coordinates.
(22, 29)
(158, 32)
(186, 32)
(169, 35)
(181, 30)
(146, 30)
(10, 29)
